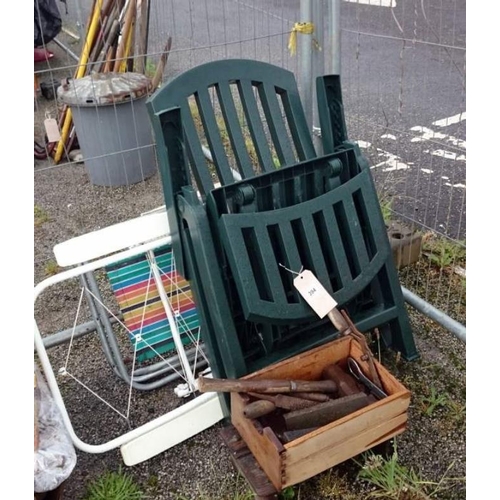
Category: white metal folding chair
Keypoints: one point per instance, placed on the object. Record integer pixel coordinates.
(143, 241)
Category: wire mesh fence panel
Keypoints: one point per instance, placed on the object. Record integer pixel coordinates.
(403, 75)
(87, 182)
(403, 81)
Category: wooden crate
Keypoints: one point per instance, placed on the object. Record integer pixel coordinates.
(293, 462)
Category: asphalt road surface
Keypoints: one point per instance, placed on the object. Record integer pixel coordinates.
(403, 78)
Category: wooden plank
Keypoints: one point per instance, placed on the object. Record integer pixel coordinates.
(246, 464)
(308, 365)
(329, 456)
(335, 434)
(262, 448)
(325, 413)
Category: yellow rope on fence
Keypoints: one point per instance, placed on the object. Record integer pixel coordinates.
(305, 29)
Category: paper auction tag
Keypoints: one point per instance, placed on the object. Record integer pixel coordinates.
(52, 130)
(314, 293)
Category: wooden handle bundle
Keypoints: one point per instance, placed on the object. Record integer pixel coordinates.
(268, 386)
(324, 413)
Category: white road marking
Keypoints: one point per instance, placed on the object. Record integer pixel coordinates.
(388, 136)
(378, 3)
(428, 134)
(394, 162)
(450, 120)
(449, 155)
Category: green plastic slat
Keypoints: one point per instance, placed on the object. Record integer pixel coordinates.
(293, 260)
(212, 134)
(279, 135)
(298, 126)
(337, 250)
(314, 251)
(354, 237)
(331, 112)
(254, 122)
(269, 265)
(233, 127)
(196, 156)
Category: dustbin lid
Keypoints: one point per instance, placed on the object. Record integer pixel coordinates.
(103, 89)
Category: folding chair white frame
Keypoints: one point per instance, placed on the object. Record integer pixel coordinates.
(89, 253)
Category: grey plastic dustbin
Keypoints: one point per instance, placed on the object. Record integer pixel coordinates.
(112, 126)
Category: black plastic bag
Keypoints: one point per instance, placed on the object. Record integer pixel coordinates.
(48, 21)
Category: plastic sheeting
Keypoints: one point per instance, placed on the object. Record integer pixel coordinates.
(55, 455)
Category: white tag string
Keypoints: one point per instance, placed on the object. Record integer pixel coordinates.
(290, 270)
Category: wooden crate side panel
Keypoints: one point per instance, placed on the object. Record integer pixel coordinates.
(308, 365)
(262, 448)
(321, 460)
(334, 435)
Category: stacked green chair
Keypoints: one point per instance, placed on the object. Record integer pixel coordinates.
(249, 202)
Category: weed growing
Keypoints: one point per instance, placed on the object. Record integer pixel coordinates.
(395, 481)
(51, 268)
(114, 486)
(40, 216)
(443, 252)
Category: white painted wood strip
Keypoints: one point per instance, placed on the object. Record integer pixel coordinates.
(111, 239)
(186, 421)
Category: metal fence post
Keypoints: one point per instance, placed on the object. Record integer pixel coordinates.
(318, 66)
(335, 35)
(305, 61)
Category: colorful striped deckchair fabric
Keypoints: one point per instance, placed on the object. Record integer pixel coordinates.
(139, 301)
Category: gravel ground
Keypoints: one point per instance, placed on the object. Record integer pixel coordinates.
(434, 445)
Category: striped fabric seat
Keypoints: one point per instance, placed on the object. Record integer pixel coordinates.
(143, 312)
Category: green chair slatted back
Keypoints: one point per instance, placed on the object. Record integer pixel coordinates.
(233, 230)
(185, 112)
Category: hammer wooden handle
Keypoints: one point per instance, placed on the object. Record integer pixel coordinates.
(268, 386)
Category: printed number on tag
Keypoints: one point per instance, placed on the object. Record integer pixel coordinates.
(52, 130)
(314, 293)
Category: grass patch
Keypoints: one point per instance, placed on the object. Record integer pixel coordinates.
(432, 401)
(114, 486)
(51, 268)
(443, 252)
(394, 481)
(386, 208)
(40, 216)
(456, 412)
